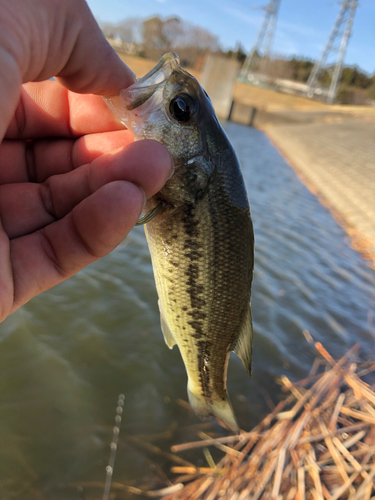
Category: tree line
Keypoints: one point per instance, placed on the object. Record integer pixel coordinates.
(153, 37)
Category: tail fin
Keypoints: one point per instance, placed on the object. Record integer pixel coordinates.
(221, 410)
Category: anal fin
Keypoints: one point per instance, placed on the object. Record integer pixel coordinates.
(244, 345)
(168, 335)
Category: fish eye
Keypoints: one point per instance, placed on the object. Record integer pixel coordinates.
(182, 108)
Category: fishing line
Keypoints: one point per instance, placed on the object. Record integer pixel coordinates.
(113, 445)
(146, 218)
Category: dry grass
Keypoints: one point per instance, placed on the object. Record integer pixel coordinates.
(269, 100)
(318, 444)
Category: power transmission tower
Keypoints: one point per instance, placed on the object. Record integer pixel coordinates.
(336, 44)
(264, 41)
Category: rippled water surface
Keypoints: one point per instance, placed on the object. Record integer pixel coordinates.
(68, 354)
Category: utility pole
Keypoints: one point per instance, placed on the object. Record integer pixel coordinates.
(341, 30)
(264, 40)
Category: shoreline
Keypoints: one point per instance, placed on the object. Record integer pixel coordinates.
(358, 240)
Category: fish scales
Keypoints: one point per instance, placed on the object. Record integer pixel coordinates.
(195, 254)
(201, 245)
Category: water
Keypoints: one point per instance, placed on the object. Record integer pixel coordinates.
(68, 354)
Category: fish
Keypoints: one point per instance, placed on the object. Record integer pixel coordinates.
(199, 232)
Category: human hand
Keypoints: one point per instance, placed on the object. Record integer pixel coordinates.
(72, 181)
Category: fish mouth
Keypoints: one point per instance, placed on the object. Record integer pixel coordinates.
(146, 94)
(162, 71)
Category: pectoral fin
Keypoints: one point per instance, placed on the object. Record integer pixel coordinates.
(168, 335)
(244, 346)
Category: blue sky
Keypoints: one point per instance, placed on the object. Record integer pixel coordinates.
(302, 29)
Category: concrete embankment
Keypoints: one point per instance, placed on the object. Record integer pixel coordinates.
(337, 162)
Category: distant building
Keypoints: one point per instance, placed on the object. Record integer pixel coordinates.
(120, 46)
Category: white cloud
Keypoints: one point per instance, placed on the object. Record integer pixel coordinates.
(300, 30)
(253, 20)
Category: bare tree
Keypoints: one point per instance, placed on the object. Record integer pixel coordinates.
(155, 36)
(173, 30)
(154, 40)
(108, 29)
(124, 34)
(174, 34)
(196, 42)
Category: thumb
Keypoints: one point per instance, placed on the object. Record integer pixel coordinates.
(93, 66)
(47, 38)
(40, 39)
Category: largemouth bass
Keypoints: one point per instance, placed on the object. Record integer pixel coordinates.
(201, 241)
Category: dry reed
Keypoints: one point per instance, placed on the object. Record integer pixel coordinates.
(318, 444)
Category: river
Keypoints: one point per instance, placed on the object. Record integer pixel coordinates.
(67, 355)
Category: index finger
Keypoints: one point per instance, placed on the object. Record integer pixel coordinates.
(47, 109)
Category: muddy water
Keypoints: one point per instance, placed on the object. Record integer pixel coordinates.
(68, 354)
